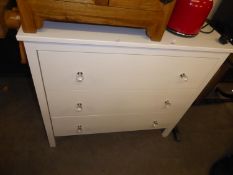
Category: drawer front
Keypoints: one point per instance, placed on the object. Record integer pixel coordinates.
(64, 126)
(82, 71)
(78, 103)
(137, 4)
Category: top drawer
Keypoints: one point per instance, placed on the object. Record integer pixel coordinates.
(83, 71)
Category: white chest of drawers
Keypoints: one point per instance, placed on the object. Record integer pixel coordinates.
(96, 79)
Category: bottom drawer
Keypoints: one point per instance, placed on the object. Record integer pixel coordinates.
(72, 125)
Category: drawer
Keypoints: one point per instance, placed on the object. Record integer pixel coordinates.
(137, 4)
(64, 103)
(64, 126)
(83, 71)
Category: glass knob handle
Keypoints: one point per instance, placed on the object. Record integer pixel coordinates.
(155, 124)
(167, 104)
(79, 107)
(79, 76)
(79, 128)
(184, 77)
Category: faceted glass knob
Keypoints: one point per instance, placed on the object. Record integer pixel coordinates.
(79, 107)
(167, 104)
(79, 76)
(184, 77)
(155, 124)
(79, 128)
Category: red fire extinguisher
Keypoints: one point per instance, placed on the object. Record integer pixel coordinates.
(188, 16)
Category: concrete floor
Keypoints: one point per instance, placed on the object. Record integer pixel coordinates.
(206, 131)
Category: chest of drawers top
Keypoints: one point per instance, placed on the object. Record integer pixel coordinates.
(82, 34)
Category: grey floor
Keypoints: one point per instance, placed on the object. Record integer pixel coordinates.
(206, 130)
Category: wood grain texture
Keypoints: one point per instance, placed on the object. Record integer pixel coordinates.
(102, 2)
(150, 14)
(155, 32)
(23, 54)
(27, 17)
(137, 4)
(79, 1)
(3, 27)
(12, 18)
(96, 2)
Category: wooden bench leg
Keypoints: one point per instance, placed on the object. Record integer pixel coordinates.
(27, 19)
(153, 34)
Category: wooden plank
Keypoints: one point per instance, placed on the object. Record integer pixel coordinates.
(23, 54)
(97, 2)
(3, 28)
(27, 17)
(102, 2)
(155, 32)
(79, 1)
(137, 4)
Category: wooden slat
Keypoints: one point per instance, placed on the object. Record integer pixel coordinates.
(23, 54)
(79, 1)
(102, 2)
(155, 32)
(3, 27)
(137, 4)
(27, 17)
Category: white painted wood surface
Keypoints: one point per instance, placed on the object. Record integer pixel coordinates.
(127, 77)
(40, 91)
(68, 125)
(121, 36)
(64, 103)
(121, 71)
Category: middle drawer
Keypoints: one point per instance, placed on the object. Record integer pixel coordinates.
(76, 103)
